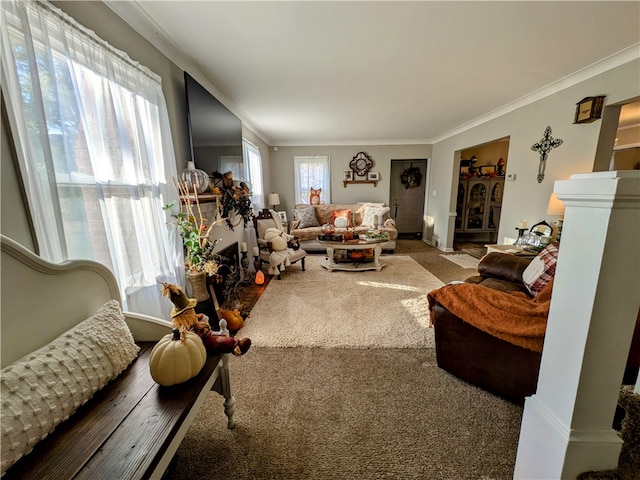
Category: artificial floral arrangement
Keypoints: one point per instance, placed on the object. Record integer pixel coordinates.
(234, 198)
(198, 245)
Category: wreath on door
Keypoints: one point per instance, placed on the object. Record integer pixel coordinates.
(411, 177)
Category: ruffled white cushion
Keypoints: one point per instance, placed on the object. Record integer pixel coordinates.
(42, 389)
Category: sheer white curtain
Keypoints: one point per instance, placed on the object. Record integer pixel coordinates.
(94, 147)
(312, 171)
(253, 174)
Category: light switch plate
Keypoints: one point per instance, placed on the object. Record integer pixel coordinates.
(511, 177)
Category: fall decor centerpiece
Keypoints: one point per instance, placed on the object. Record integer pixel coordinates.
(234, 199)
(185, 319)
(200, 261)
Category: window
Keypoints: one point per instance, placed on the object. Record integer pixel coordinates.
(94, 148)
(312, 172)
(233, 164)
(253, 174)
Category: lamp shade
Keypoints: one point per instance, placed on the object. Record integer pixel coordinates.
(273, 199)
(555, 207)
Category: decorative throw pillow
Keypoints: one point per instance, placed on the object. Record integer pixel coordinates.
(314, 196)
(43, 388)
(306, 217)
(541, 269)
(370, 211)
(342, 214)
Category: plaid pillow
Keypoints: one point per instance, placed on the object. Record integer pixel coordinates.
(541, 269)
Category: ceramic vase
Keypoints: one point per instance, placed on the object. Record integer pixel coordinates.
(195, 179)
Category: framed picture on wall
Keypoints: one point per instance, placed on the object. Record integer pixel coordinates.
(283, 216)
(348, 174)
(373, 176)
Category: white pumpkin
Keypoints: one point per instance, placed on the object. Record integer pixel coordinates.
(177, 357)
(341, 222)
(277, 239)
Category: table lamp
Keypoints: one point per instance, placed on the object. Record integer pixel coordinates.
(273, 199)
(556, 207)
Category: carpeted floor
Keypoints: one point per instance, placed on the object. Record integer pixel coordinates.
(326, 414)
(344, 413)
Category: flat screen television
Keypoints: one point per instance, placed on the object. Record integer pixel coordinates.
(215, 132)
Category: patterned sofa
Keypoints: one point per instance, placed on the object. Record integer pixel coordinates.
(308, 220)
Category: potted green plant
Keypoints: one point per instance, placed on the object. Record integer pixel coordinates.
(200, 260)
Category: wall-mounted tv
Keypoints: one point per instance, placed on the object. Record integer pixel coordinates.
(215, 132)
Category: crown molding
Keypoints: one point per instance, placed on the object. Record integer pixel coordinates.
(351, 143)
(617, 59)
(135, 16)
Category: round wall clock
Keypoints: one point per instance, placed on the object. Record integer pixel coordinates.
(361, 164)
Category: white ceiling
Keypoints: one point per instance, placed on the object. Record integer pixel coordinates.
(331, 72)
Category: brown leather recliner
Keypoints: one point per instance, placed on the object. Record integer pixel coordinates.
(493, 364)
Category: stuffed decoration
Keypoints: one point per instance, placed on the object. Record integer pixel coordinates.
(314, 197)
(279, 256)
(219, 342)
(183, 314)
(277, 238)
(185, 319)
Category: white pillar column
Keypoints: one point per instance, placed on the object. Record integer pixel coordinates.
(566, 425)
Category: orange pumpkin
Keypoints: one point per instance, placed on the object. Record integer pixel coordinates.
(348, 235)
(356, 255)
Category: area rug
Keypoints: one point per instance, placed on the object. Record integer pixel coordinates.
(478, 252)
(462, 259)
(365, 309)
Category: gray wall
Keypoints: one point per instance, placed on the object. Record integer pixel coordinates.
(282, 174)
(525, 198)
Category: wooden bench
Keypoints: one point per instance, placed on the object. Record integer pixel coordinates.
(131, 428)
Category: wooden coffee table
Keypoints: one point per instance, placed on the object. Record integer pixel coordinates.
(352, 266)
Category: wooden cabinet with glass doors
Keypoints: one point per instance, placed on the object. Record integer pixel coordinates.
(478, 205)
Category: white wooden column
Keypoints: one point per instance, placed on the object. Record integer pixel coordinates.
(566, 426)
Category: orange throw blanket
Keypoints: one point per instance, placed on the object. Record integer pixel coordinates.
(510, 316)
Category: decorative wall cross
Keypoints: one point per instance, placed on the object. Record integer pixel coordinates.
(543, 147)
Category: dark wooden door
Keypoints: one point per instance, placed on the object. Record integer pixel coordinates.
(408, 186)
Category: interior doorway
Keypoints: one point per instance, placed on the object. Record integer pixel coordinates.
(626, 146)
(407, 194)
(480, 189)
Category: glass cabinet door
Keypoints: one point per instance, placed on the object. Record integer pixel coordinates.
(496, 192)
(476, 206)
(495, 203)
